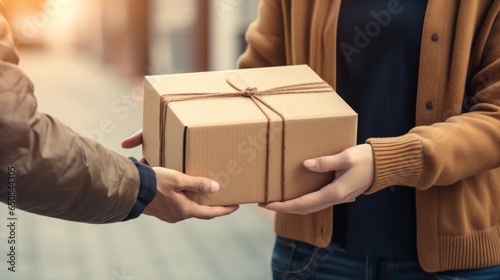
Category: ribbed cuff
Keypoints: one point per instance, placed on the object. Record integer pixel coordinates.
(398, 161)
(147, 189)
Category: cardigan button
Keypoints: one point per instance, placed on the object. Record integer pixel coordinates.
(435, 37)
(429, 105)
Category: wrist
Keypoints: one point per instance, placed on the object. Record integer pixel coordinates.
(147, 189)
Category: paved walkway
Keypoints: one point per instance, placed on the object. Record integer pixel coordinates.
(95, 101)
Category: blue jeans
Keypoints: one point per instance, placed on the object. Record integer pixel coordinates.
(295, 260)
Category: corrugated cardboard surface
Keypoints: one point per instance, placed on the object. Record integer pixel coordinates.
(225, 138)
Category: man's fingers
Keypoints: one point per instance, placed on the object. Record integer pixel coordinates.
(196, 184)
(133, 141)
(179, 181)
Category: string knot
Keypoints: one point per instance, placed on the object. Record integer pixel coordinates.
(249, 91)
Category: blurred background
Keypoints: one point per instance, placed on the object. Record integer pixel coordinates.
(138, 37)
(87, 60)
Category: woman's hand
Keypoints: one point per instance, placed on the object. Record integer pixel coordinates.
(354, 174)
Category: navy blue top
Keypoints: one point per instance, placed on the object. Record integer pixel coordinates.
(377, 71)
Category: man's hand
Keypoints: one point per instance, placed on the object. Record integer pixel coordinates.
(171, 203)
(354, 173)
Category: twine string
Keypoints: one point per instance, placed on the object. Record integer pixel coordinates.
(255, 95)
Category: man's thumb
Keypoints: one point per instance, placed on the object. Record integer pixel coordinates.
(202, 185)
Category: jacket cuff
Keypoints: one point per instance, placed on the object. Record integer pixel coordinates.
(147, 189)
(398, 161)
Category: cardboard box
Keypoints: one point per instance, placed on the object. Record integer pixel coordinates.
(217, 130)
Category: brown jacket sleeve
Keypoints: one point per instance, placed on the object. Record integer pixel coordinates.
(57, 172)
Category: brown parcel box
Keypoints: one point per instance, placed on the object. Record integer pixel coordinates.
(226, 137)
